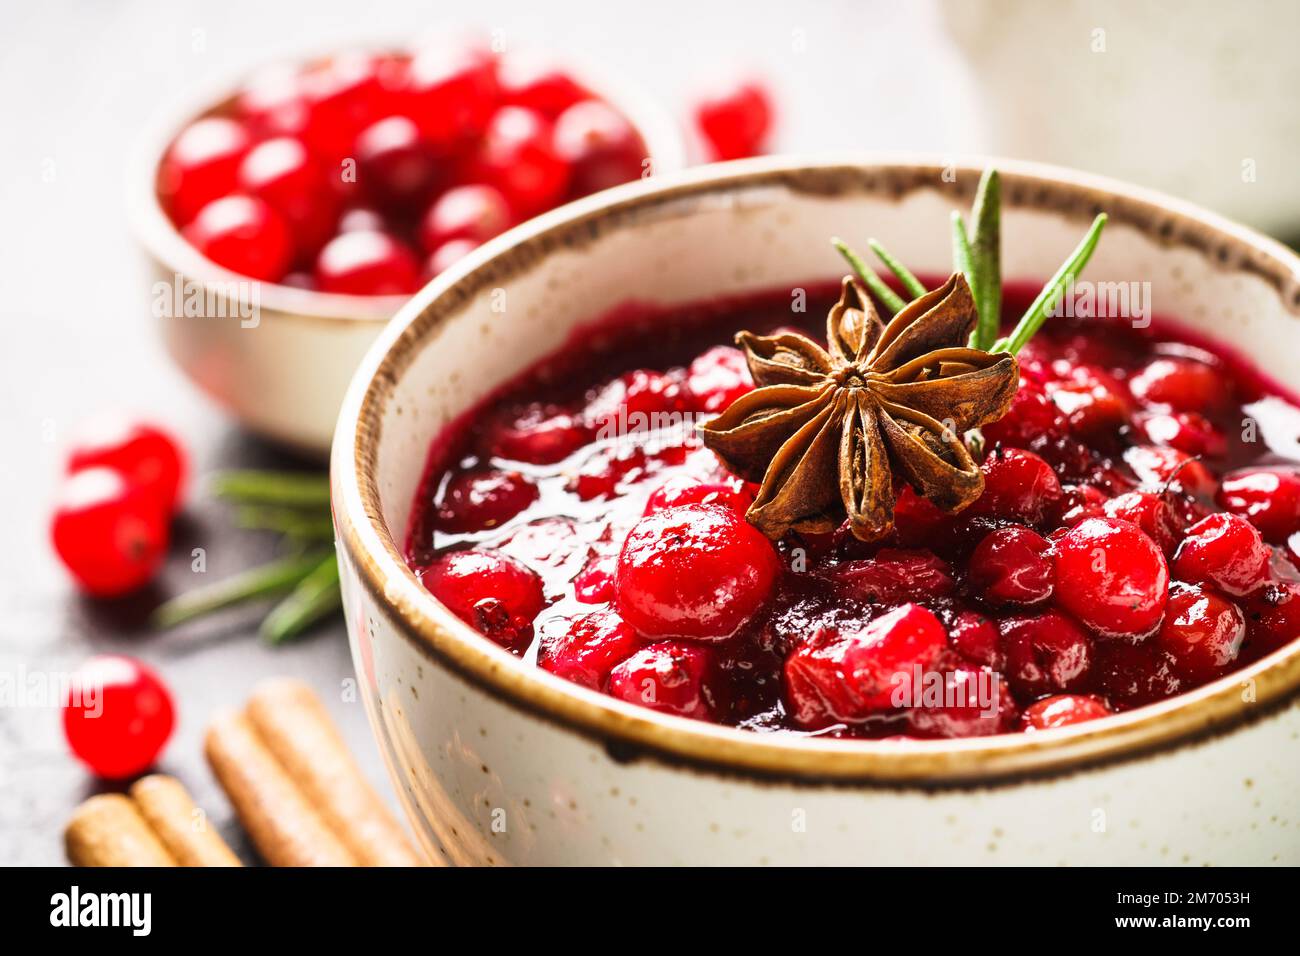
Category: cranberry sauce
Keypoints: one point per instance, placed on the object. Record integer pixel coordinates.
(1137, 537)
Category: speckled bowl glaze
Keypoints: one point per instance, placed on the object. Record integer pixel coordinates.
(499, 762)
(278, 358)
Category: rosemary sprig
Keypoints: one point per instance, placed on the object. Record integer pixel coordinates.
(298, 524)
(290, 489)
(961, 256)
(904, 275)
(986, 258)
(263, 581)
(316, 596)
(876, 285)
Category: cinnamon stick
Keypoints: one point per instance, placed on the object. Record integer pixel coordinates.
(170, 812)
(108, 830)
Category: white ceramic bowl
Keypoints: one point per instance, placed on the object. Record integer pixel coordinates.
(497, 761)
(278, 358)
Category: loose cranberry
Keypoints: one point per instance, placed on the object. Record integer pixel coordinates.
(1012, 566)
(1184, 385)
(595, 582)
(718, 377)
(1157, 467)
(1268, 497)
(1112, 577)
(477, 500)
(975, 702)
(451, 93)
(894, 576)
(492, 593)
(735, 120)
(638, 401)
(395, 166)
(146, 456)
(1032, 420)
(599, 145)
(465, 212)
(672, 676)
(1202, 631)
(367, 263)
(117, 716)
(538, 84)
(698, 571)
(539, 434)
(1046, 653)
(1063, 710)
(110, 535)
(1134, 674)
(975, 638)
(518, 157)
(447, 255)
(343, 96)
(1224, 550)
(1018, 486)
(244, 235)
(200, 165)
(1189, 432)
(584, 649)
(1153, 514)
(281, 173)
(848, 677)
(685, 490)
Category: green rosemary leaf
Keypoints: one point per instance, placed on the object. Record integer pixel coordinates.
(291, 489)
(1048, 299)
(296, 523)
(961, 257)
(887, 296)
(316, 596)
(986, 258)
(267, 580)
(910, 282)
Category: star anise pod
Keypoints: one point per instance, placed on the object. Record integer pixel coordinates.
(828, 431)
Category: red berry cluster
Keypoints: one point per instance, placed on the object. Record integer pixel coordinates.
(368, 174)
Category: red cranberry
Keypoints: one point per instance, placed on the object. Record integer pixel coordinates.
(1018, 486)
(1079, 502)
(685, 490)
(1112, 577)
(476, 213)
(1063, 710)
(540, 435)
(1092, 402)
(718, 377)
(599, 145)
(636, 402)
(451, 93)
(584, 649)
(1134, 674)
(1275, 616)
(146, 456)
(1150, 512)
(492, 593)
(244, 235)
(595, 582)
(1202, 631)
(343, 96)
(367, 263)
(1183, 384)
(697, 571)
(394, 165)
(894, 576)
(110, 535)
(1033, 419)
(609, 471)
(538, 84)
(834, 677)
(361, 219)
(1189, 432)
(1225, 550)
(974, 637)
(273, 102)
(447, 255)
(672, 676)
(200, 165)
(1157, 467)
(735, 120)
(1268, 497)
(281, 173)
(518, 157)
(918, 522)
(972, 702)
(1012, 566)
(1046, 653)
(117, 716)
(477, 500)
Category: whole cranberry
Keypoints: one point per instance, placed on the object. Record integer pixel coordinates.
(637, 401)
(1183, 384)
(735, 119)
(1275, 616)
(595, 582)
(244, 235)
(283, 174)
(697, 571)
(343, 96)
(718, 377)
(367, 263)
(517, 156)
(117, 716)
(848, 677)
(1224, 550)
(537, 83)
(1268, 497)
(147, 457)
(599, 145)
(975, 638)
(976, 702)
(918, 522)
(610, 471)
(477, 500)
(1189, 432)
(1079, 502)
(1012, 566)
(1046, 653)
(1018, 486)
(1063, 710)
(539, 434)
(1134, 674)
(1032, 420)
(1157, 467)
(685, 490)
(395, 167)
(894, 576)
(450, 92)
(492, 593)
(200, 165)
(464, 212)
(109, 534)
(675, 677)
(273, 102)
(584, 649)
(1111, 576)
(1092, 401)
(1152, 513)
(1202, 631)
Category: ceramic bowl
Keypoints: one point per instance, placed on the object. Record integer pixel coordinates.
(279, 358)
(497, 761)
